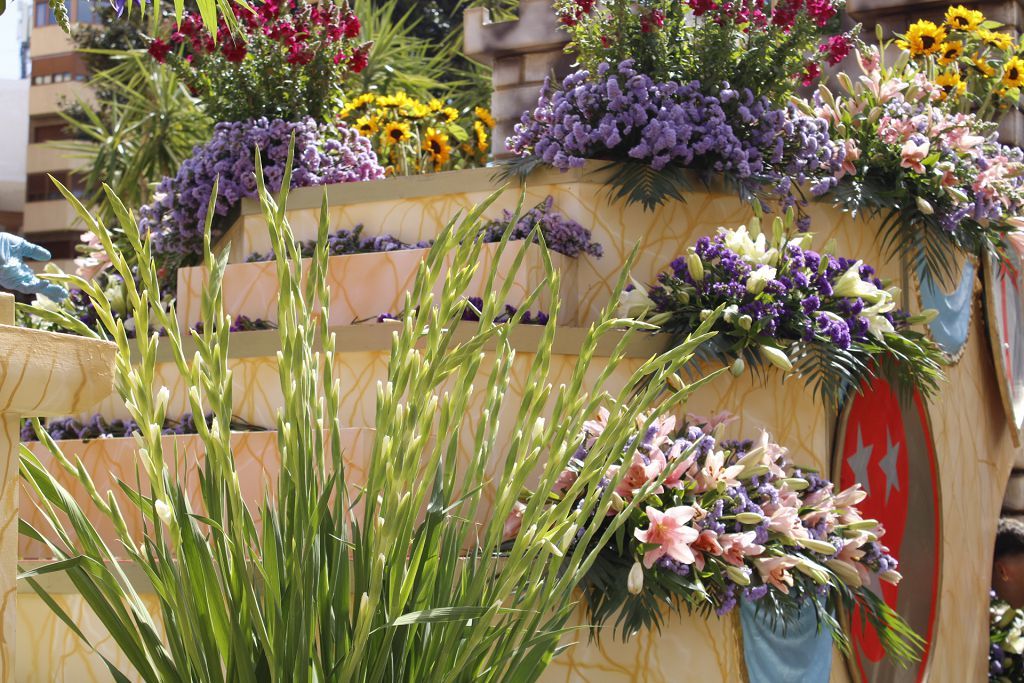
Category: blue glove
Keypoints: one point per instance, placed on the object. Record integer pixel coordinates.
(17, 276)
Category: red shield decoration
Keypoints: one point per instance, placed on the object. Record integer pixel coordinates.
(1004, 308)
(886, 445)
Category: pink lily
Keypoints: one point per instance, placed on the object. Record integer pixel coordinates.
(670, 531)
(514, 522)
(737, 547)
(681, 472)
(709, 424)
(706, 544)
(714, 472)
(913, 154)
(775, 571)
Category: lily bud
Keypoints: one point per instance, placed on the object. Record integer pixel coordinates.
(924, 207)
(737, 367)
(635, 581)
(845, 572)
(925, 317)
(891, 576)
(738, 576)
(618, 503)
(730, 313)
(749, 518)
(813, 570)
(695, 266)
(745, 321)
(776, 357)
(820, 547)
(796, 484)
(705, 314)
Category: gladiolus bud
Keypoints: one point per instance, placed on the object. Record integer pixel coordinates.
(163, 511)
(749, 518)
(635, 582)
(695, 266)
(676, 382)
(737, 367)
(776, 357)
(538, 428)
(730, 313)
(705, 314)
(738, 575)
(618, 503)
(745, 321)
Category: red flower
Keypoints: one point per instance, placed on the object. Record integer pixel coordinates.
(350, 25)
(158, 50)
(811, 73)
(233, 50)
(837, 47)
(648, 22)
(359, 59)
(606, 42)
(699, 7)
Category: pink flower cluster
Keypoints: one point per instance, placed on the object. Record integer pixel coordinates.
(736, 517)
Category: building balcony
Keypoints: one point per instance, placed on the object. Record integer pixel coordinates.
(46, 99)
(49, 216)
(49, 40)
(44, 157)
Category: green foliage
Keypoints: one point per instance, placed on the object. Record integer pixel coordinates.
(395, 577)
(143, 126)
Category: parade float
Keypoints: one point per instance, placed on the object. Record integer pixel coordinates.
(796, 493)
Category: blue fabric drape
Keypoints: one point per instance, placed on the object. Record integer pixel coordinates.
(798, 653)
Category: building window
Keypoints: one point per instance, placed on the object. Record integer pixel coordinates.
(85, 13)
(44, 17)
(39, 187)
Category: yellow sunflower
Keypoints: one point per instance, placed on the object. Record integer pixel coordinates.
(923, 38)
(435, 104)
(951, 84)
(481, 135)
(484, 116)
(367, 126)
(416, 109)
(450, 113)
(435, 143)
(983, 66)
(1002, 41)
(963, 19)
(1013, 73)
(399, 99)
(396, 132)
(950, 52)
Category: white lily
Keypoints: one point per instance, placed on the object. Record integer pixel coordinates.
(851, 285)
(635, 302)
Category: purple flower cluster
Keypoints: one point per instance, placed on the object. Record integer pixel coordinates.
(471, 314)
(97, 427)
(620, 114)
(346, 242)
(324, 154)
(798, 301)
(561, 234)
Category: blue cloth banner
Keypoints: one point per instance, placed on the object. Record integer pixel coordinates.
(950, 328)
(794, 653)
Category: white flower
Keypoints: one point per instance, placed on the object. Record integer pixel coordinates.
(878, 324)
(695, 266)
(634, 303)
(850, 285)
(757, 280)
(777, 357)
(163, 511)
(753, 250)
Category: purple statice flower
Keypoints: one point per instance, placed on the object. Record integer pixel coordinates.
(621, 114)
(346, 242)
(324, 154)
(561, 234)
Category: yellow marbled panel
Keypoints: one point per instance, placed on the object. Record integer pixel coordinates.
(48, 652)
(110, 460)
(366, 285)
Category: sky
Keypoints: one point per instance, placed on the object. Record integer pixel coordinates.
(10, 51)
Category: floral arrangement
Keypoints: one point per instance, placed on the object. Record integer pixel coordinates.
(941, 178)
(761, 47)
(826, 317)
(97, 427)
(285, 59)
(719, 521)
(659, 128)
(471, 313)
(562, 235)
(323, 153)
(415, 137)
(976, 64)
(1006, 652)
